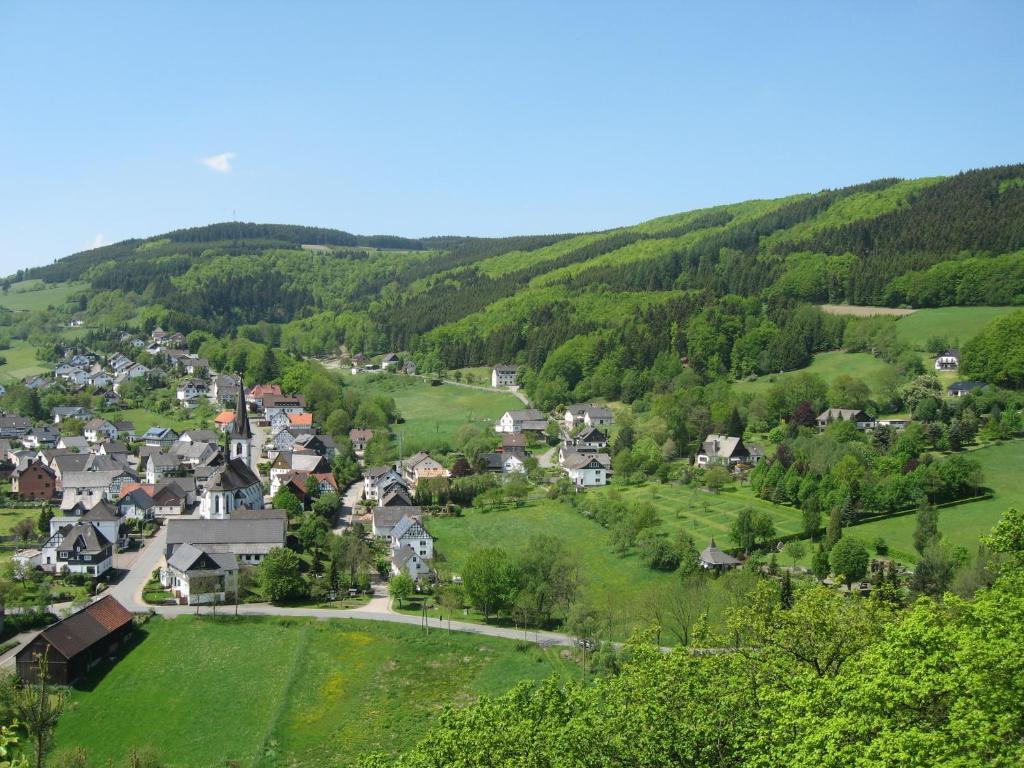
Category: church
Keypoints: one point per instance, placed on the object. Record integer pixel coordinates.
(236, 485)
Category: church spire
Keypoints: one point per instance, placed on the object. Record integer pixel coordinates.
(240, 429)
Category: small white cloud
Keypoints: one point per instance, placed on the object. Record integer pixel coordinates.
(220, 163)
(99, 240)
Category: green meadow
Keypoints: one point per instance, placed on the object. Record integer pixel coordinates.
(964, 524)
(434, 414)
(317, 693)
(35, 294)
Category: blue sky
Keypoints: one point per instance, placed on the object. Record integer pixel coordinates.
(478, 118)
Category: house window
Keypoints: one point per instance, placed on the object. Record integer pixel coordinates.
(63, 555)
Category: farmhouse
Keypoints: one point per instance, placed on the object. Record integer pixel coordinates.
(526, 420)
(587, 414)
(196, 576)
(412, 548)
(35, 481)
(713, 559)
(421, 466)
(72, 646)
(78, 548)
(359, 438)
(948, 360)
(98, 430)
(961, 388)
(390, 360)
(69, 412)
(859, 418)
(504, 375)
(587, 470)
(726, 451)
(377, 479)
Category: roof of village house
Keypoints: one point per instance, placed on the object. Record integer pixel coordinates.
(513, 440)
(722, 446)
(186, 556)
(388, 517)
(965, 386)
(83, 629)
(158, 460)
(712, 555)
(592, 435)
(257, 392)
(283, 401)
(506, 368)
(576, 460)
(239, 529)
(402, 555)
(360, 434)
(842, 414)
(300, 419)
(224, 418)
(398, 497)
(372, 473)
(951, 352)
(100, 511)
(409, 525)
(82, 537)
(527, 414)
(199, 436)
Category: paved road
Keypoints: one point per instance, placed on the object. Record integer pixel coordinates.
(129, 593)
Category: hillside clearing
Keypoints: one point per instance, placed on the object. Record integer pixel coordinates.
(434, 414)
(863, 311)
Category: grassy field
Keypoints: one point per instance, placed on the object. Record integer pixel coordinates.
(144, 419)
(316, 694)
(958, 324)
(828, 365)
(433, 414)
(621, 581)
(21, 362)
(9, 517)
(35, 294)
(963, 524)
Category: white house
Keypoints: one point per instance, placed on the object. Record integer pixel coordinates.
(197, 576)
(948, 360)
(77, 548)
(504, 376)
(376, 479)
(99, 430)
(190, 391)
(726, 451)
(587, 414)
(587, 470)
(859, 418)
(526, 420)
(412, 548)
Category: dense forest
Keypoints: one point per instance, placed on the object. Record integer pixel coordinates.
(727, 289)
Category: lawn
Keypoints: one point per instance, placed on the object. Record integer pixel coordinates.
(957, 324)
(828, 365)
(9, 517)
(621, 582)
(35, 294)
(434, 414)
(21, 362)
(963, 525)
(143, 419)
(317, 692)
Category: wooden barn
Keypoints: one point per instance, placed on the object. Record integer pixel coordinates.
(73, 645)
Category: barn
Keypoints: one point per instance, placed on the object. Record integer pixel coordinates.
(73, 645)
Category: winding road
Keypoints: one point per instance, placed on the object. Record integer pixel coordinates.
(129, 593)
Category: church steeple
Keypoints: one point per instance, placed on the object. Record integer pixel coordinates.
(241, 433)
(240, 426)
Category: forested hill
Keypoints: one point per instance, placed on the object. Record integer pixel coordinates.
(727, 287)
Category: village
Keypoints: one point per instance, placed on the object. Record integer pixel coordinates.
(201, 502)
